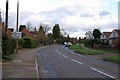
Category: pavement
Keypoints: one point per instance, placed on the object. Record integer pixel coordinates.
(23, 65)
(60, 62)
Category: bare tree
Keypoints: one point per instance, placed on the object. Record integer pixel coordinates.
(29, 26)
(45, 27)
(63, 33)
(89, 35)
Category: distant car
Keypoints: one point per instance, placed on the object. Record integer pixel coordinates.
(68, 44)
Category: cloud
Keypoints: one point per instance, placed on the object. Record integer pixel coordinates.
(104, 13)
(75, 16)
(86, 15)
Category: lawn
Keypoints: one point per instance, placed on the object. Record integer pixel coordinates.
(110, 51)
(81, 50)
(106, 50)
(75, 47)
(113, 59)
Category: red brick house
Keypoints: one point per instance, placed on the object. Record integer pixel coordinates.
(9, 33)
(26, 33)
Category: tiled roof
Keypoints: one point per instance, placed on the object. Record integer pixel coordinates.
(118, 31)
(107, 34)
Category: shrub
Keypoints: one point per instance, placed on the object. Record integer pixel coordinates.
(21, 42)
(29, 42)
(8, 46)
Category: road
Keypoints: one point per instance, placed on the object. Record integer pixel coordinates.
(60, 62)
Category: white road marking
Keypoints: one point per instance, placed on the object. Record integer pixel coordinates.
(65, 56)
(37, 68)
(77, 61)
(102, 72)
(69, 58)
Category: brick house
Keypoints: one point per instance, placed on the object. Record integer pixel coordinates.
(9, 33)
(25, 32)
(105, 37)
(74, 40)
(114, 38)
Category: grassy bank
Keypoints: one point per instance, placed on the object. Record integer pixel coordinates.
(112, 59)
(81, 50)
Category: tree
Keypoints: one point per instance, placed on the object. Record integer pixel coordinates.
(79, 39)
(56, 31)
(89, 35)
(41, 37)
(96, 33)
(29, 25)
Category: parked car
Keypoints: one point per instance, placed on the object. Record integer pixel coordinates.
(68, 44)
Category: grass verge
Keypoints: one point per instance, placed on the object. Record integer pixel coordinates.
(112, 59)
(81, 50)
(106, 50)
(8, 58)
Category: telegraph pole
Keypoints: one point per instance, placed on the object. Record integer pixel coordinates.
(6, 21)
(17, 24)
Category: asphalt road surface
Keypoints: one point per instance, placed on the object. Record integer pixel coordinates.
(60, 62)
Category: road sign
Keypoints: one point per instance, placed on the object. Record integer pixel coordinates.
(16, 35)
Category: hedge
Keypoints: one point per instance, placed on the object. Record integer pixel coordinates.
(8, 46)
(29, 42)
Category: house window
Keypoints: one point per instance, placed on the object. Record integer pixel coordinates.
(114, 34)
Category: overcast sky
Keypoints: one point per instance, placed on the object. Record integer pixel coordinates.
(75, 16)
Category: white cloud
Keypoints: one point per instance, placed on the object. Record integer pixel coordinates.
(75, 16)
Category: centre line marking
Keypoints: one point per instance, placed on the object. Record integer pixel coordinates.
(77, 61)
(102, 72)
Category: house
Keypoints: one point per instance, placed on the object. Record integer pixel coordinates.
(25, 32)
(105, 37)
(74, 40)
(9, 33)
(114, 38)
(34, 33)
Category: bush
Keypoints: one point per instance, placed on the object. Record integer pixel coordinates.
(21, 42)
(93, 41)
(29, 42)
(8, 46)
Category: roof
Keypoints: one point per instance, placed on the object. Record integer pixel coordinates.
(107, 34)
(118, 31)
(28, 34)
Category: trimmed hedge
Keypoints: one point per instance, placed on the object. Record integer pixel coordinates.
(29, 42)
(93, 41)
(8, 46)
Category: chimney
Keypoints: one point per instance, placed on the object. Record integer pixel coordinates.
(35, 30)
(3, 24)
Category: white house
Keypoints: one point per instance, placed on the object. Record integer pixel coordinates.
(114, 37)
(105, 37)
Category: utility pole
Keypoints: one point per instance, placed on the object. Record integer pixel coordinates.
(6, 22)
(17, 24)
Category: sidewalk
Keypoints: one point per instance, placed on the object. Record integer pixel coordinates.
(106, 54)
(23, 65)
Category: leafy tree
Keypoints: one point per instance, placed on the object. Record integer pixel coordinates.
(41, 37)
(96, 33)
(79, 39)
(56, 31)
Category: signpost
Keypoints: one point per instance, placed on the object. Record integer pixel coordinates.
(17, 35)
